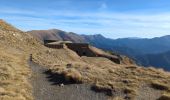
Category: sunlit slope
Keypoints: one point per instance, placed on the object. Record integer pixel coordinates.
(121, 81)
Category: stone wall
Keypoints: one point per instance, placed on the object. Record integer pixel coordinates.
(55, 46)
(49, 41)
(82, 49)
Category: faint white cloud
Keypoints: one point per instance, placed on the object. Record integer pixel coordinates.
(8, 10)
(114, 24)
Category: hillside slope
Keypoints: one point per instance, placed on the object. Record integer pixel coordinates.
(146, 52)
(14, 70)
(16, 47)
(133, 46)
(55, 34)
(7, 27)
(140, 45)
(161, 60)
(141, 50)
(118, 81)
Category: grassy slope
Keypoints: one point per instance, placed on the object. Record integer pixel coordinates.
(13, 73)
(104, 75)
(16, 46)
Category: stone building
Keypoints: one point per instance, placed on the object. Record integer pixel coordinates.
(82, 49)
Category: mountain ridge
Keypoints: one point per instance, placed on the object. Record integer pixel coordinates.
(117, 81)
(133, 48)
(161, 60)
(55, 34)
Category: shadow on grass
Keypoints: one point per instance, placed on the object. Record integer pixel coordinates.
(106, 91)
(57, 79)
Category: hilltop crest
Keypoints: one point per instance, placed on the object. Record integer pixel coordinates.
(5, 26)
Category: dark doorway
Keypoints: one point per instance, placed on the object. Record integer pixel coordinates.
(77, 52)
(84, 53)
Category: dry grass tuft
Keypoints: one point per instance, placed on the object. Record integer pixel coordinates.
(72, 75)
(160, 86)
(99, 88)
(13, 74)
(113, 79)
(165, 96)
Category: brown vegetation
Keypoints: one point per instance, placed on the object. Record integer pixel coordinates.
(160, 86)
(7, 27)
(165, 96)
(120, 81)
(13, 73)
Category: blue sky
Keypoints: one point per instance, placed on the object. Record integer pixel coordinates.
(111, 18)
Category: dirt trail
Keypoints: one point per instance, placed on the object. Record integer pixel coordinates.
(148, 93)
(46, 87)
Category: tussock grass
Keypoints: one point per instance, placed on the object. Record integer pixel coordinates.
(72, 75)
(160, 85)
(122, 81)
(13, 74)
(111, 78)
(165, 96)
(99, 88)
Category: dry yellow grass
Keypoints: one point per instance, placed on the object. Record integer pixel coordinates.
(7, 27)
(13, 77)
(14, 70)
(165, 96)
(16, 46)
(109, 77)
(160, 85)
(104, 75)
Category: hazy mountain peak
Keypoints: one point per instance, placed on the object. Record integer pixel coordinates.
(55, 34)
(94, 35)
(98, 35)
(167, 36)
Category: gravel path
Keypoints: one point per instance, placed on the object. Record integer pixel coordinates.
(46, 87)
(148, 93)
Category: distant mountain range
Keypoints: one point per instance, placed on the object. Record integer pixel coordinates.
(147, 52)
(161, 60)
